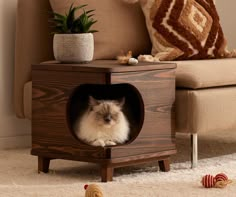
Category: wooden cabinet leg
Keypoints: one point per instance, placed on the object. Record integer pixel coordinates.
(43, 164)
(164, 165)
(106, 173)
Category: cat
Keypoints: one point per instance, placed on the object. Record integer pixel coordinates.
(103, 123)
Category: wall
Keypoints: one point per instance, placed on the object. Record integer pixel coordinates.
(13, 131)
(227, 13)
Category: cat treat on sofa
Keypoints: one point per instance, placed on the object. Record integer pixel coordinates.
(127, 59)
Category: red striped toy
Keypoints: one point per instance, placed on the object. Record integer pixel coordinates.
(219, 181)
(208, 181)
(221, 177)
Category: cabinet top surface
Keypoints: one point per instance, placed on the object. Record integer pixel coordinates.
(102, 66)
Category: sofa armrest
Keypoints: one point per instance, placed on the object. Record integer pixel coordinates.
(33, 44)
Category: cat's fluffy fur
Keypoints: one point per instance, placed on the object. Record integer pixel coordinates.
(103, 124)
(130, 1)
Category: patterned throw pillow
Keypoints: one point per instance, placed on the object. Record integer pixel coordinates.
(183, 29)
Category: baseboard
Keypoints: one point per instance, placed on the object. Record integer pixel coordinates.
(15, 142)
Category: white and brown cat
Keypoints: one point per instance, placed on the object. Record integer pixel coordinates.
(103, 124)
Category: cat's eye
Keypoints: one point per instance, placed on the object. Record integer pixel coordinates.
(114, 115)
(99, 113)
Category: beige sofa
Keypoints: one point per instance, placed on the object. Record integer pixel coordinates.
(205, 93)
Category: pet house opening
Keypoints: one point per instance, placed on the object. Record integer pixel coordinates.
(112, 107)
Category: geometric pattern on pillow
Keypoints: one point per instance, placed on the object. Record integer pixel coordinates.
(184, 29)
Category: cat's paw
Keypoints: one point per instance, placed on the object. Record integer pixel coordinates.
(110, 143)
(98, 143)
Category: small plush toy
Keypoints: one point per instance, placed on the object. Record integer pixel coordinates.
(127, 59)
(93, 190)
(219, 181)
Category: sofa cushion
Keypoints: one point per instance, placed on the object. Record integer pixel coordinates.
(33, 45)
(121, 26)
(206, 110)
(184, 29)
(196, 74)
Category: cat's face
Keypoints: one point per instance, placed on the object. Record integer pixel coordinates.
(105, 113)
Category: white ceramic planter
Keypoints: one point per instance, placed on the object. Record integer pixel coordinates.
(73, 48)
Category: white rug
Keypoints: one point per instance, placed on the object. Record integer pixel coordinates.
(18, 174)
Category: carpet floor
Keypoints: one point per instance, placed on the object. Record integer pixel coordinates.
(217, 153)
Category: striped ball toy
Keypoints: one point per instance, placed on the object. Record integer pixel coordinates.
(208, 181)
(219, 181)
(221, 177)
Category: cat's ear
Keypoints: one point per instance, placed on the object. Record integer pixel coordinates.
(121, 101)
(93, 101)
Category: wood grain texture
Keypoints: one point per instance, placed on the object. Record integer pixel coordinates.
(164, 165)
(158, 93)
(60, 90)
(50, 131)
(104, 66)
(43, 164)
(106, 173)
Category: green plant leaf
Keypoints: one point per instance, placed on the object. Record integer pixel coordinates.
(56, 21)
(89, 11)
(89, 16)
(92, 31)
(76, 26)
(88, 25)
(62, 28)
(71, 15)
(69, 24)
(59, 15)
(70, 18)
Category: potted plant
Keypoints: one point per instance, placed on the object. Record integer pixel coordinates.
(73, 40)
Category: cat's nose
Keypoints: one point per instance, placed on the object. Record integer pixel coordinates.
(107, 119)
